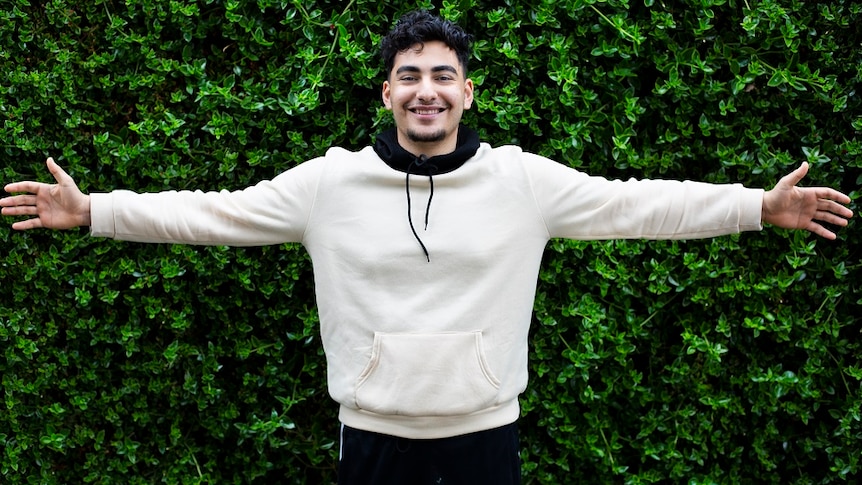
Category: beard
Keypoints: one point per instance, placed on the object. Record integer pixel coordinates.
(434, 136)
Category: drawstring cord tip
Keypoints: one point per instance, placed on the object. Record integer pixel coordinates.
(419, 162)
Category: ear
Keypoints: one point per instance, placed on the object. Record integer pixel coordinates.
(387, 101)
(468, 93)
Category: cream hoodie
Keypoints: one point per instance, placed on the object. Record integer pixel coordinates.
(424, 349)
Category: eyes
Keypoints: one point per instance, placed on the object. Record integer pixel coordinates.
(442, 78)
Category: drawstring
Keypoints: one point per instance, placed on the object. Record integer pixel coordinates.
(386, 147)
(419, 162)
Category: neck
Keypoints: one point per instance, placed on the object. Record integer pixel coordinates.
(428, 148)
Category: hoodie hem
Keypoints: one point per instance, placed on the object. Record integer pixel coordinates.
(431, 427)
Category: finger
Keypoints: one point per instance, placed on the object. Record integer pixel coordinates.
(836, 208)
(830, 218)
(27, 225)
(17, 200)
(821, 231)
(20, 210)
(833, 195)
(16, 187)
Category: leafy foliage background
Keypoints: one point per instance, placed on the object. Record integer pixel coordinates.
(731, 360)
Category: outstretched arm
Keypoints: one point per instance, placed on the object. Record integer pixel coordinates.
(792, 207)
(55, 206)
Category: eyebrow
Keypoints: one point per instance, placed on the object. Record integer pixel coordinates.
(442, 68)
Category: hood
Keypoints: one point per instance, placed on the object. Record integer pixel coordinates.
(387, 148)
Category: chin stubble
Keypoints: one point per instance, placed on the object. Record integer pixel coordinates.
(426, 137)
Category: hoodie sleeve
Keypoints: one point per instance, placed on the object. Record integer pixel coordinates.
(271, 212)
(578, 206)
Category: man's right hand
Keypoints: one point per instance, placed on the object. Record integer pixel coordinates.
(55, 206)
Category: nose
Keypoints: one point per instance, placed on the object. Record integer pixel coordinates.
(427, 91)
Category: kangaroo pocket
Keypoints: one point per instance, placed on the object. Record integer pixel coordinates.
(438, 374)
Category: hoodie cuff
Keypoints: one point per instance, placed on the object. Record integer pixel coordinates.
(102, 215)
(751, 210)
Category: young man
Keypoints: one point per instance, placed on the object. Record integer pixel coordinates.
(425, 307)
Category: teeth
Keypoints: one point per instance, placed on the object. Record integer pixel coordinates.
(427, 111)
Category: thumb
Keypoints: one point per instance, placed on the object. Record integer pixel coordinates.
(794, 177)
(59, 174)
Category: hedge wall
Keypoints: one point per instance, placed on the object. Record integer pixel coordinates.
(731, 360)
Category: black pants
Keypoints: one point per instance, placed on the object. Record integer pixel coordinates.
(487, 457)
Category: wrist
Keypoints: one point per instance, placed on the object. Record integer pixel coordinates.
(84, 218)
(764, 208)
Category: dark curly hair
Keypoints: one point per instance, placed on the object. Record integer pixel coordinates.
(419, 27)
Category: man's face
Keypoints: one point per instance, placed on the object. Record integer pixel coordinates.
(427, 92)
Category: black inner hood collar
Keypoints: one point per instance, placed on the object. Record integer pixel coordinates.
(387, 148)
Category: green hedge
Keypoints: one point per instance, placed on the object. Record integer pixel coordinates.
(732, 360)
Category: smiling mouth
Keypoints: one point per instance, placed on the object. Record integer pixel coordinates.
(427, 111)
